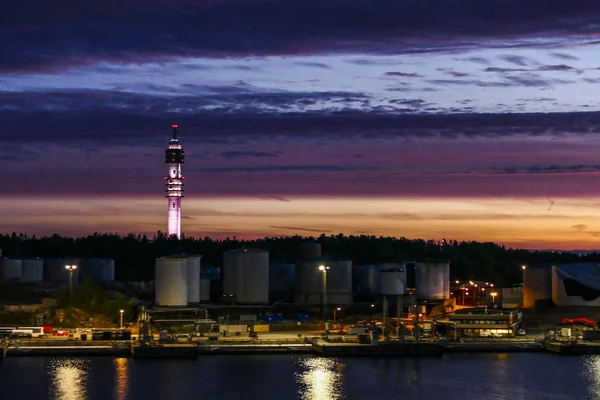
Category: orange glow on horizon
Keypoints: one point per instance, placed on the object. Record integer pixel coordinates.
(570, 224)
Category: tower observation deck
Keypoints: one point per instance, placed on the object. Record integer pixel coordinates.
(174, 158)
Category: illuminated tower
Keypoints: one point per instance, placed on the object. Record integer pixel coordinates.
(174, 157)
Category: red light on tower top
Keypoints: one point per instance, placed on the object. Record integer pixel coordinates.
(175, 126)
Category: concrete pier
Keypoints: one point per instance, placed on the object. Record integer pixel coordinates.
(494, 347)
(572, 348)
(389, 349)
(257, 349)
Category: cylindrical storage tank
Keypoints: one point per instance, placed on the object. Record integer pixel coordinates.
(55, 270)
(32, 270)
(246, 275)
(392, 283)
(430, 278)
(365, 279)
(193, 279)
(537, 284)
(98, 269)
(170, 282)
(281, 280)
(309, 287)
(398, 267)
(10, 270)
(446, 270)
(204, 289)
(309, 250)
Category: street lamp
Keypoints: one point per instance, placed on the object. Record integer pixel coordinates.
(335, 313)
(323, 269)
(494, 294)
(121, 320)
(71, 269)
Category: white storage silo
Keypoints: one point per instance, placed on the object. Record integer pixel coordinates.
(204, 289)
(99, 269)
(537, 284)
(170, 282)
(193, 279)
(246, 275)
(10, 269)
(392, 283)
(32, 270)
(310, 289)
(55, 270)
(430, 277)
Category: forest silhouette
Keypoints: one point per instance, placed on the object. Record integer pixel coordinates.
(134, 254)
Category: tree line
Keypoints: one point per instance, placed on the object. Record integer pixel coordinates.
(134, 254)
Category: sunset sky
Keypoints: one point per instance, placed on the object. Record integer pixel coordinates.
(467, 119)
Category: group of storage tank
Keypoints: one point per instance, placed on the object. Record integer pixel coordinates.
(387, 279)
(53, 270)
(177, 280)
(21, 270)
(432, 280)
(317, 276)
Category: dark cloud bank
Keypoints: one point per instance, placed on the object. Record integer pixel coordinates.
(113, 118)
(42, 34)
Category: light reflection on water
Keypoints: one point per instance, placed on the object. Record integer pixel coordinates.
(122, 377)
(321, 379)
(591, 370)
(68, 378)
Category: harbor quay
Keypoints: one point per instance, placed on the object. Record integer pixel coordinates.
(333, 346)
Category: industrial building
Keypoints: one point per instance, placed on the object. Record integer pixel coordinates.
(561, 285)
(53, 270)
(576, 284)
(537, 285)
(510, 297)
(484, 322)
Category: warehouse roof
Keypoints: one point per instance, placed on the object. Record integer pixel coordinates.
(587, 274)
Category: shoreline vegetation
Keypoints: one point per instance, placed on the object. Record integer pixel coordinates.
(135, 254)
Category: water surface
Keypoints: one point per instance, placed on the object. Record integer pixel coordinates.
(469, 376)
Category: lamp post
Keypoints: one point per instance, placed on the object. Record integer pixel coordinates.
(121, 319)
(494, 294)
(323, 269)
(335, 313)
(71, 269)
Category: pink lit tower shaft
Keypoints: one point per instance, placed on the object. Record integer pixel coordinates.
(174, 157)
